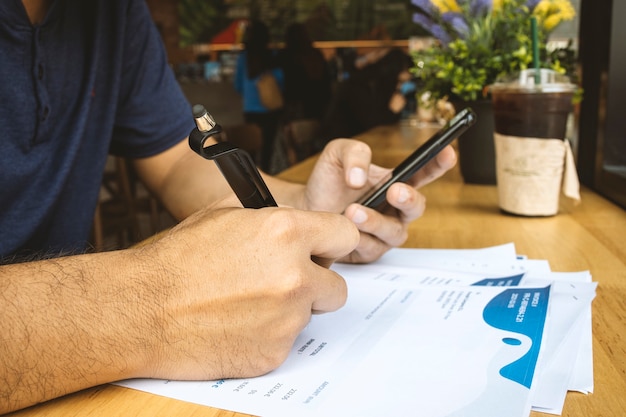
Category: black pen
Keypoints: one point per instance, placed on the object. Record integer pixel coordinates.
(235, 164)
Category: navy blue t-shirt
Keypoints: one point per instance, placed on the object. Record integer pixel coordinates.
(93, 78)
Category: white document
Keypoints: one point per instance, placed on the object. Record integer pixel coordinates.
(496, 261)
(570, 326)
(582, 376)
(414, 340)
(393, 351)
(568, 360)
(417, 257)
(571, 340)
(421, 276)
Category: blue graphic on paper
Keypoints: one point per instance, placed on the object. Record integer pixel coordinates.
(522, 311)
(511, 281)
(512, 341)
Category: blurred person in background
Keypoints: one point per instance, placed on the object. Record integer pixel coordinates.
(307, 76)
(255, 60)
(372, 95)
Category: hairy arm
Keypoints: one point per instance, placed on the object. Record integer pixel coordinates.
(66, 325)
(181, 307)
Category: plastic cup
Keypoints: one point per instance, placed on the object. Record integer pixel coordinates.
(530, 121)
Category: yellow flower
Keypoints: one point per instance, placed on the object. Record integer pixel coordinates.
(497, 5)
(445, 6)
(551, 13)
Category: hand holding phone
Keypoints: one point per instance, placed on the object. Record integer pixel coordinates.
(376, 197)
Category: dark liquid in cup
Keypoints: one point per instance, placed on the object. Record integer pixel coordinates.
(533, 115)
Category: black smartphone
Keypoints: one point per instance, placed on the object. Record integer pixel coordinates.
(376, 197)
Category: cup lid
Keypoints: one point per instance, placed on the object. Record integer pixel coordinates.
(525, 81)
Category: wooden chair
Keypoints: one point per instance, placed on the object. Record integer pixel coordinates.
(299, 139)
(121, 204)
(117, 214)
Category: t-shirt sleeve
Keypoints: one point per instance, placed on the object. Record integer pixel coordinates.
(152, 113)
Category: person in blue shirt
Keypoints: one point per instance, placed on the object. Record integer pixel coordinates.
(255, 60)
(222, 294)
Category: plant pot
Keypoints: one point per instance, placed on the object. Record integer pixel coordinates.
(477, 155)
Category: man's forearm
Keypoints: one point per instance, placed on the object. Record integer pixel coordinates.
(67, 326)
(190, 182)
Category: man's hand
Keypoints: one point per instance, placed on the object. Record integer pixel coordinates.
(223, 294)
(343, 173)
(243, 285)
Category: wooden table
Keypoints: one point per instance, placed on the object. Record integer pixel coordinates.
(590, 236)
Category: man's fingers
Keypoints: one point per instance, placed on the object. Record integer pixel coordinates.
(409, 202)
(331, 293)
(438, 166)
(355, 157)
(336, 238)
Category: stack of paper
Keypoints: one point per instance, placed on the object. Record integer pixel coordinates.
(431, 333)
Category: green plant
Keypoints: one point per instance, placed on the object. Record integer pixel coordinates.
(197, 18)
(478, 40)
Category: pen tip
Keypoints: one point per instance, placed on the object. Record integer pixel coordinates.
(198, 110)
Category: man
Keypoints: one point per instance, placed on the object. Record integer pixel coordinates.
(224, 293)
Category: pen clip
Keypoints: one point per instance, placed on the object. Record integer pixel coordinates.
(235, 164)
